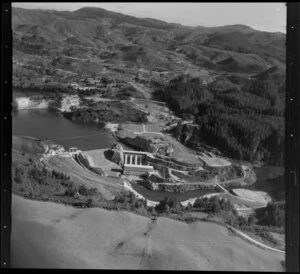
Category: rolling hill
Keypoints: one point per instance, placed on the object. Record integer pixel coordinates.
(97, 35)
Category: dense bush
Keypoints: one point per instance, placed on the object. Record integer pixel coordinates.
(45, 177)
(213, 205)
(273, 215)
(184, 96)
(90, 202)
(169, 204)
(83, 190)
(71, 190)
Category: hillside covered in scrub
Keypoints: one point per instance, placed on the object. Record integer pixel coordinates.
(56, 48)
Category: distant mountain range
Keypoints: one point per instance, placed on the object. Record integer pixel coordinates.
(55, 50)
(99, 36)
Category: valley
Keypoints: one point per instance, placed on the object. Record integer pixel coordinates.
(157, 119)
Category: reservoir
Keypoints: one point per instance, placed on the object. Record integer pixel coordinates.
(50, 124)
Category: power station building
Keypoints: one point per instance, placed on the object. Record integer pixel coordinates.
(135, 163)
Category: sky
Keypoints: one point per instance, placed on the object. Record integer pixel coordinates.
(261, 16)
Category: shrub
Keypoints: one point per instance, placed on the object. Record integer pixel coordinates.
(120, 198)
(90, 202)
(200, 203)
(83, 190)
(216, 208)
(242, 221)
(92, 191)
(71, 190)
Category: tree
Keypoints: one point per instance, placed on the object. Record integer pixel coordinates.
(71, 190)
(199, 203)
(189, 207)
(273, 215)
(242, 221)
(83, 190)
(252, 220)
(169, 203)
(216, 208)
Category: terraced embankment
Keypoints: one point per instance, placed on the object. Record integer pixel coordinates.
(49, 235)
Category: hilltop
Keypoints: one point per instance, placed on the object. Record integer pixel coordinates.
(59, 45)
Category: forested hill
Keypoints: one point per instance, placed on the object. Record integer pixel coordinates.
(245, 123)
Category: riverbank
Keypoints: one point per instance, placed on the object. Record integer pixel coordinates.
(51, 124)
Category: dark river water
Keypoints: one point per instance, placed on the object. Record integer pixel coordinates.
(46, 124)
(157, 196)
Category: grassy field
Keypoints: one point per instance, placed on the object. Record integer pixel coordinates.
(48, 235)
(255, 196)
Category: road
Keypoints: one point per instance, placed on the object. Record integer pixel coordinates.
(254, 241)
(145, 91)
(145, 131)
(225, 190)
